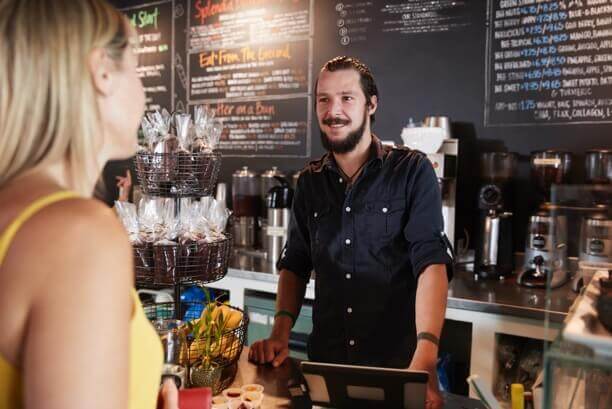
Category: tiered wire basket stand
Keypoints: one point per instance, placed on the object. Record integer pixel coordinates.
(186, 175)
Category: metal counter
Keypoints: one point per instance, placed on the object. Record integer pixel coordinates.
(465, 293)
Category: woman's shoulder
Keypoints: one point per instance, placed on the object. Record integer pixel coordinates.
(77, 217)
(71, 235)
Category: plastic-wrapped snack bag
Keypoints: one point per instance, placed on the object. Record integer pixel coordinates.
(151, 135)
(203, 117)
(165, 256)
(183, 124)
(214, 133)
(164, 163)
(129, 218)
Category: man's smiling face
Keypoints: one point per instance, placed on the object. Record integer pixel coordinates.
(342, 110)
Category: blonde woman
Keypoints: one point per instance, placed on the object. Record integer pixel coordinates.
(73, 333)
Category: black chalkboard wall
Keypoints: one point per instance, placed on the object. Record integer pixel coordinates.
(429, 58)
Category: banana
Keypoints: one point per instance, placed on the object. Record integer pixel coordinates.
(232, 317)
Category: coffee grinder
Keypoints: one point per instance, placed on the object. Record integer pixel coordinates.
(596, 241)
(546, 243)
(494, 256)
(545, 251)
(549, 167)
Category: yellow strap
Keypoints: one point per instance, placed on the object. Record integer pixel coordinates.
(9, 233)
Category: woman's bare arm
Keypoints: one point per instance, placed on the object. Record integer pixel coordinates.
(76, 341)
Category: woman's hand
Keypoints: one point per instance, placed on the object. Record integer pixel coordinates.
(169, 394)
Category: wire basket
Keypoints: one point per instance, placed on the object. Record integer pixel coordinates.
(227, 349)
(171, 264)
(180, 174)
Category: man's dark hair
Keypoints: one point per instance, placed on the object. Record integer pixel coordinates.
(368, 85)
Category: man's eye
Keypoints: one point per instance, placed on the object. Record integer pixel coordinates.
(322, 99)
(348, 98)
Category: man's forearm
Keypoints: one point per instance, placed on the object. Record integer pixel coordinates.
(430, 309)
(290, 295)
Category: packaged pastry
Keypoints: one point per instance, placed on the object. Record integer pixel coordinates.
(165, 259)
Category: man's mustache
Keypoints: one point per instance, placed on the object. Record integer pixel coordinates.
(335, 121)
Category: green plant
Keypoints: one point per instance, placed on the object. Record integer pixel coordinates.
(208, 332)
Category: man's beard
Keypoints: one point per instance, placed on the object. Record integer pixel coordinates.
(347, 144)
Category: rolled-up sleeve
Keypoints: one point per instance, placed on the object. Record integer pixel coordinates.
(296, 254)
(424, 231)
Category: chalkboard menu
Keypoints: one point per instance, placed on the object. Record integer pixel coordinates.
(264, 127)
(549, 62)
(252, 61)
(154, 23)
(359, 21)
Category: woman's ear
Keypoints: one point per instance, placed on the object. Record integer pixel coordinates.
(102, 69)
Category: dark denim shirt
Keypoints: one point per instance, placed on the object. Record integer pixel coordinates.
(367, 243)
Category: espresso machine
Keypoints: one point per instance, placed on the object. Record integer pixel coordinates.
(494, 256)
(278, 204)
(246, 206)
(545, 251)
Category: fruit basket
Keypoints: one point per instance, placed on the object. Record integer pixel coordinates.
(181, 263)
(178, 174)
(210, 342)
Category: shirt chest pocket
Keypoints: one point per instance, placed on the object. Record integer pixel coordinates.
(321, 225)
(383, 218)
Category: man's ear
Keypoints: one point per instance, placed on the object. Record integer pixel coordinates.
(102, 70)
(373, 104)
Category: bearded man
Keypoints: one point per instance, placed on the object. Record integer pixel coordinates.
(367, 218)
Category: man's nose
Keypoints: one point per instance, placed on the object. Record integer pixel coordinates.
(335, 107)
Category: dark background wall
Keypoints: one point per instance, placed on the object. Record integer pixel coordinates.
(425, 74)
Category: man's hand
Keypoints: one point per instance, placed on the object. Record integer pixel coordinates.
(424, 359)
(273, 349)
(124, 184)
(430, 306)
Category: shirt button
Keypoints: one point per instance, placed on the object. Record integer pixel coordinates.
(385, 210)
(347, 242)
(348, 209)
(316, 214)
(340, 180)
(348, 276)
(352, 342)
(349, 310)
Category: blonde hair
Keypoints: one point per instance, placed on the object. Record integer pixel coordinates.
(48, 109)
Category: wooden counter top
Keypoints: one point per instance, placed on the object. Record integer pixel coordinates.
(276, 380)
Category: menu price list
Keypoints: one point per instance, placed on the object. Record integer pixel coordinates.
(422, 16)
(549, 62)
(250, 71)
(271, 128)
(358, 20)
(233, 23)
(153, 23)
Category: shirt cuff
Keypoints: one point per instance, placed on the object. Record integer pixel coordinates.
(300, 266)
(431, 252)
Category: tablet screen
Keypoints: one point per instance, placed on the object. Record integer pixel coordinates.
(352, 386)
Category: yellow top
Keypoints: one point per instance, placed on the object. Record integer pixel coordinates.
(146, 355)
